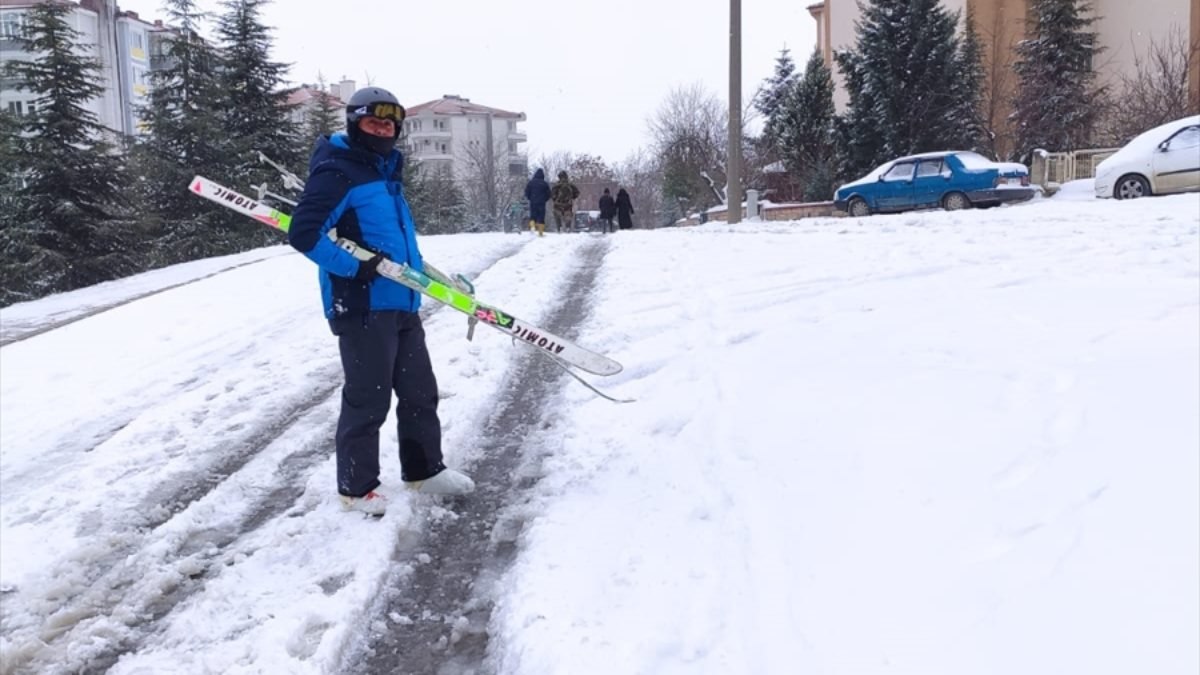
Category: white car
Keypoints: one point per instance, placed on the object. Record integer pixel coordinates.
(1161, 161)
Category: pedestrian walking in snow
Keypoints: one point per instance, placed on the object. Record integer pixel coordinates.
(564, 195)
(354, 186)
(537, 193)
(624, 210)
(608, 210)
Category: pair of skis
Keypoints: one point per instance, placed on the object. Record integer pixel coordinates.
(457, 293)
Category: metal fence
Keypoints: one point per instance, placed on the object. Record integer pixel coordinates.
(1062, 167)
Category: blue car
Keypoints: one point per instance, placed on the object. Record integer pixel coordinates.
(950, 180)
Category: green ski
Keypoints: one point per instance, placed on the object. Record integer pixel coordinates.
(435, 284)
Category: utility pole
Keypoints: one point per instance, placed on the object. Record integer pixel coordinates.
(733, 155)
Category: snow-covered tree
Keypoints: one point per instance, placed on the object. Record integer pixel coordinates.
(805, 130)
(774, 90)
(1057, 101)
(64, 228)
(183, 137)
(256, 114)
(436, 200)
(905, 80)
(325, 116)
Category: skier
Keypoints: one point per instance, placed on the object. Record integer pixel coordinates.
(564, 195)
(537, 192)
(354, 186)
(624, 210)
(608, 209)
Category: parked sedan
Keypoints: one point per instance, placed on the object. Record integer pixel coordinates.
(951, 180)
(1163, 160)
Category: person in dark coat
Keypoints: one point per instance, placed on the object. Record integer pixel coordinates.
(354, 186)
(608, 210)
(624, 210)
(537, 192)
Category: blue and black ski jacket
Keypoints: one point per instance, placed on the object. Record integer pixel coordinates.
(359, 192)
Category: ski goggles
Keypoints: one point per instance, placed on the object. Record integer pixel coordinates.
(384, 111)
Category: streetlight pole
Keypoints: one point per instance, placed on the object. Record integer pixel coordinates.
(733, 159)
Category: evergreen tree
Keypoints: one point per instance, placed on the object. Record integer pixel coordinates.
(437, 202)
(256, 115)
(905, 81)
(773, 93)
(973, 78)
(182, 140)
(324, 117)
(1056, 105)
(806, 117)
(64, 229)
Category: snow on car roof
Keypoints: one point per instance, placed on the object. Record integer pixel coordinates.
(1146, 141)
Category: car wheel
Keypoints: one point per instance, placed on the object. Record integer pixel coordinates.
(1131, 187)
(955, 201)
(858, 208)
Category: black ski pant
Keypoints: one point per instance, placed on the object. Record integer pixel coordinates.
(384, 352)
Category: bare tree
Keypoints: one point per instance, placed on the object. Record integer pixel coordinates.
(1156, 92)
(641, 176)
(591, 174)
(690, 132)
(490, 190)
(999, 86)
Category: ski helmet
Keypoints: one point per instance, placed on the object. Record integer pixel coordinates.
(374, 102)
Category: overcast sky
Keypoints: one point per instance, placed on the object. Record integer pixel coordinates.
(588, 75)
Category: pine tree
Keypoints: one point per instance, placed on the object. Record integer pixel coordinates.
(806, 117)
(256, 115)
(182, 127)
(326, 116)
(66, 229)
(773, 92)
(1056, 102)
(973, 78)
(437, 202)
(905, 81)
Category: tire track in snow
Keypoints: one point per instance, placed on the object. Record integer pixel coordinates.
(434, 609)
(114, 576)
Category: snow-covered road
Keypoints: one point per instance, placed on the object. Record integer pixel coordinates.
(931, 443)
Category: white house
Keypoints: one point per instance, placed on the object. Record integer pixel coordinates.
(456, 133)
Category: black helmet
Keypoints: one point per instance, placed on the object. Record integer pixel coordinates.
(374, 102)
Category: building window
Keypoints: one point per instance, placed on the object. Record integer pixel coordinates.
(512, 146)
(14, 108)
(12, 25)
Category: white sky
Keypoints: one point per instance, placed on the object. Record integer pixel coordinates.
(936, 443)
(587, 75)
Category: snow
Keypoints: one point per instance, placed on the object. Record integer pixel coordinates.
(1145, 143)
(936, 443)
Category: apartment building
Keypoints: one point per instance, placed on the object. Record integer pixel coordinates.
(1126, 30)
(125, 46)
(305, 99)
(456, 133)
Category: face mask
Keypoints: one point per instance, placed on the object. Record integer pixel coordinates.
(378, 144)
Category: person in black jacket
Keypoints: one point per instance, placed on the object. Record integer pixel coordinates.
(624, 210)
(537, 192)
(608, 210)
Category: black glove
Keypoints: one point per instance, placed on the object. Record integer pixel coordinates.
(368, 269)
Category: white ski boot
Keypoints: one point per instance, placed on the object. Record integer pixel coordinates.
(445, 482)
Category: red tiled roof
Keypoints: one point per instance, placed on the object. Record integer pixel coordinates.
(456, 105)
(305, 94)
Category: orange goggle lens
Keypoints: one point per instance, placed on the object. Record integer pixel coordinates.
(384, 111)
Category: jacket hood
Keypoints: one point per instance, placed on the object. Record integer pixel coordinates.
(539, 175)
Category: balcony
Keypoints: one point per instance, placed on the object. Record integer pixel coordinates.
(518, 136)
